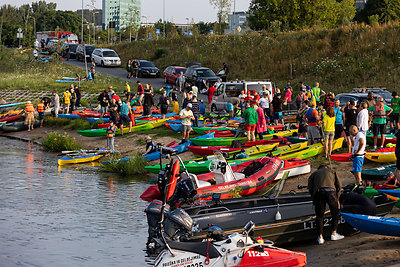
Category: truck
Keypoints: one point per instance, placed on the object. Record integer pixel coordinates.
(65, 36)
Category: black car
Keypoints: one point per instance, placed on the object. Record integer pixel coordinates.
(80, 54)
(148, 69)
(69, 50)
(199, 76)
(380, 91)
(356, 97)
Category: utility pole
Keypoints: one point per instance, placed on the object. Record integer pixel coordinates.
(164, 17)
(1, 27)
(26, 22)
(34, 27)
(234, 16)
(82, 24)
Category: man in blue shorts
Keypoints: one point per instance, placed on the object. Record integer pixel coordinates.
(358, 152)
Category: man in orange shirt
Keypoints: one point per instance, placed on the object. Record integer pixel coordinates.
(40, 110)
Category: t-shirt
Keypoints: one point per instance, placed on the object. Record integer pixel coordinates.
(316, 91)
(128, 88)
(140, 89)
(185, 113)
(379, 120)
(362, 120)
(113, 110)
(67, 97)
(396, 105)
(277, 104)
(251, 117)
(229, 106)
(329, 123)
(359, 136)
(288, 95)
(124, 109)
(350, 116)
(338, 116)
(264, 102)
(211, 92)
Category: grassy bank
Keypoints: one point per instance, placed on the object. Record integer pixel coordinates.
(340, 59)
(134, 165)
(56, 142)
(20, 71)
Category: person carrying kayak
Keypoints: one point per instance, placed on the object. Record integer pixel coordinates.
(324, 187)
(111, 136)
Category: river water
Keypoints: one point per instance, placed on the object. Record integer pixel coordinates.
(67, 217)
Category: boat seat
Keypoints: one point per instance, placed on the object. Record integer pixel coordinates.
(239, 175)
(196, 247)
(204, 183)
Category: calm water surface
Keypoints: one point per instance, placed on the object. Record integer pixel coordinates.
(67, 217)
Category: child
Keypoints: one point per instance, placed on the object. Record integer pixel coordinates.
(111, 136)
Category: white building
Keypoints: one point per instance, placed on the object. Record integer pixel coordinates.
(121, 13)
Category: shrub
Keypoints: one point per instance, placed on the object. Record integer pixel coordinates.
(55, 142)
(160, 52)
(133, 165)
(84, 103)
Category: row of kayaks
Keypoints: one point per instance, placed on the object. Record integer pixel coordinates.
(382, 155)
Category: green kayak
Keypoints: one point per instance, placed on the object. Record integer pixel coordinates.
(370, 192)
(203, 130)
(227, 141)
(103, 132)
(389, 139)
(377, 173)
(295, 139)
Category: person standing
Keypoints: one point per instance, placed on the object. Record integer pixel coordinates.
(174, 99)
(195, 110)
(148, 101)
(42, 43)
(140, 92)
(301, 120)
(67, 101)
(362, 118)
(202, 107)
(93, 69)
(395, 116)
(210, 93)
(40, 110)
(226, 70)
(187, 99)
(329, 100)
(349, 118)
(73, 100)
(301, 97)
(324, 188)
(30, 115)
(288, 95)
(124, 117)
(329, 130)
(264, 104)
(186, 115)
(135, 68)
(371, 102)
(277, 105)
(163, 103)
(129, 69)
(261, 125)
(339, 119)
(358, 152)
(113, 109)
(181, 81)
(78, 96)
(104, 100)
(111, 136)
(312, 119)
(317, 92)
(380, 112)
(251, 118)
(56, 103)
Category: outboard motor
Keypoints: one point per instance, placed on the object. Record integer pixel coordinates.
(178, 225)
(153, 213)
(184, 192)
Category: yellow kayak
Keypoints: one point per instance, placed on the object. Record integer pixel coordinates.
(382, 157)
(254, 150)
(312, 150)
(79, 159)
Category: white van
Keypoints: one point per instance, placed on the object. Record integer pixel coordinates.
(228, 90)
(106, 57)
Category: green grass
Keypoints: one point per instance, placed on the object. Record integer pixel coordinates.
(135, 165)
(161, 132)
(55, 142)
(339, 58)
(67, 124)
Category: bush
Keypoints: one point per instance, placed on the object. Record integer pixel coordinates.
(84, 103)
(56, 142)
(160, 52)
(133, 165)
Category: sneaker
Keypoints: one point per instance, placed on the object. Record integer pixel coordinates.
(336, 236)
(382, 146)
(375, 147)
(320, 240)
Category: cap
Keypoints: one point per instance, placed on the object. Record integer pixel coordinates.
(248, 92)
(147, 138)
(254, 91)
(29, 102)
(189, 105)
(191, 92)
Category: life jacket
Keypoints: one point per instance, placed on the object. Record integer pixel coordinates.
(329, 102)
(309, 116)
(379, 112)
(40, 107)
(300, 99)
(309, 95)
(29, 108)
(111, 131)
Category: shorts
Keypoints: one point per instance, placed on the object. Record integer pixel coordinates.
(303, 128)
(186, 128)
(358, 163)
(124, 119)
(114, 119)
(278, 116)
(164, 109)
(140, 97)
(394, 117)
(250, 127)
(103, 109)
(378, 128)
(41, 116)
(329, 135)
(313, 133)
(30, 118)
(346, 129)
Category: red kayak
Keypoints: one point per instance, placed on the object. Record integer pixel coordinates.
(343, 157)
(10, 118)
(218, 133)
(250, 176)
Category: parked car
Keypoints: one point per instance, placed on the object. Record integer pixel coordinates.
(199, 76)
(80, 54)
(357, 97)
(226, 91)
(51, 46)
(147, 68)
(380, 91)
(106, 57)
(68, 50)
(172, 73)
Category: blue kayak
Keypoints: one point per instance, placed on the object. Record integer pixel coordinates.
(12, 104)
(95, 120)
(157, 116)
(391, 192)
(69, 116)
(181, 148)
(374, 224)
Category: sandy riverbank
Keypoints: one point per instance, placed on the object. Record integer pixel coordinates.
(359, 250)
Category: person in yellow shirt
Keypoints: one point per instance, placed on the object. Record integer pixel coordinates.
(127, 87)
(329, 130)
(67, 101)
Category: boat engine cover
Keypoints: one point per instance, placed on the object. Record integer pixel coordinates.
(178, 221)
(153, 212)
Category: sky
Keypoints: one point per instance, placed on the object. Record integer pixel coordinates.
(175, 10)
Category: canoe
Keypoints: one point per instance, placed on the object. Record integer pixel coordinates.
(17, 126)
(69, 116)
(391, 192)
(177, 127)
(227, 141)
(262, 172)
(296, 139)
(12, 104)
(81, 158)
(313, 150)
(374, 224)
(10, 118)
(383, 155)
(377, 173)
(389, 139)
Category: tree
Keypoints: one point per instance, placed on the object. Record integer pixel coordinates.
(387, 10)
(299, 14)
(223, 7)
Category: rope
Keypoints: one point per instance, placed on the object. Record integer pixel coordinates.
(207, 260)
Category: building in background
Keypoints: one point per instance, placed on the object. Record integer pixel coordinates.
(237, 22)
(92, 16)
(120, 14)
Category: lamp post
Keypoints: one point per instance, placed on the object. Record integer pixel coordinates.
(187, 26)
(82, 25)
(234, 17)
(164, 17)
(94, 27)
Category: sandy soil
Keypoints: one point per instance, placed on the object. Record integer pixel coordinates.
(358, 250)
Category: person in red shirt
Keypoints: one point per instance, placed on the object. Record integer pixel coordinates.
(140, 92)
(211, 92)
(256, 97)
(248, 98)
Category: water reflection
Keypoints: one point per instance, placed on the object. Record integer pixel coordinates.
(67, 216)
